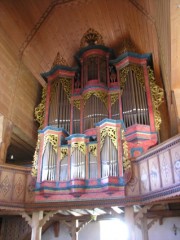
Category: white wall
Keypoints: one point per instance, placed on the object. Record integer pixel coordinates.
(92, 231)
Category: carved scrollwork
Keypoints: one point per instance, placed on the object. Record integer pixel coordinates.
(59, 60)
(35, 159)
(138, 70)
(64, 152)
(114, 98)
(80, 145)
(53, 139)
(93, 149)
(157, 94)
(99, 94)
(91, 37)
(77, 103)
(40, 109)
(126, 161)
(66, 83)
(111, 132)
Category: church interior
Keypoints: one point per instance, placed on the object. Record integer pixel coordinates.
(89, 119)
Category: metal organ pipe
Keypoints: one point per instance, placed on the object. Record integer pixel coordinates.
(134, 102)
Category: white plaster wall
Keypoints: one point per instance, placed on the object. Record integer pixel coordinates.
(63, 234)
(92, 231)
(165, 231)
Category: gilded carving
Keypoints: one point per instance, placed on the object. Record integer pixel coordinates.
(59, 60)
(77, 103)
(40, 109)
(126, 161)
(66, 83)
(93, 149)
(91, 37)
(114, 98)
(138, 70)
(64, 152)
(53, 139)
(111, 132)
(157, 94)
(80, 145)
(99, 94)
(35, 159)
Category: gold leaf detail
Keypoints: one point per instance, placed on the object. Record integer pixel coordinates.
(35, 159)
(59, 60)
(80, 145)
(99, 94)
(138, 70)
(111, 132)
(93, 149)
(53, 139)
(77, 103)
(114, 98)
(64, 152)
(40, 109)
(157, 94)
(126, 160)
(91, 37)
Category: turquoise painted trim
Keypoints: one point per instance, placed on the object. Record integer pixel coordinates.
(54, 129)
(140, 149)
(136, 132)
(76, 136)
(100, 47)
(147, 56)
(108, 120)
(45, 75)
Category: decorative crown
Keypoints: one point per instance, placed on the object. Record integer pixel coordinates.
(59, 60)
(91, 37)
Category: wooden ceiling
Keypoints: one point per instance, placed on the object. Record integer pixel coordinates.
(37, 30)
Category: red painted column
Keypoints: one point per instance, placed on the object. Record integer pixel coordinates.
(98, 152)
(41, 139)
(119, 144)
(47, 104)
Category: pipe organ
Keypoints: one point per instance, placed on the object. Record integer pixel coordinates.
(94, 118)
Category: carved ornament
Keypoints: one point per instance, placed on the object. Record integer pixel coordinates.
(64, 152)
(53, 139)
(99, 94)
(91, 37)
(110, 132)
(81, 146)
(35, 159)
(40, 109)
(157, 94)
(93, 149)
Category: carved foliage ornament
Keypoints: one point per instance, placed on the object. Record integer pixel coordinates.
(126, 161)
(138, 70)
(93, 149)
(114, 98)
(81, 146)
(59, 60)
(35, 159)
(66, 84)
(40, 109)
(64, 152)
(91, 37)
(111, 132)
(99, 94)
(53, 139)
(77, 103)
(157, 94)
